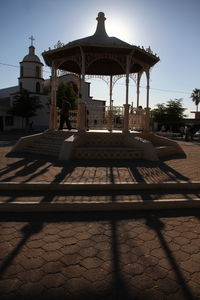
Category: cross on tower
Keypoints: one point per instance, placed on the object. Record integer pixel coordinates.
(32, 39)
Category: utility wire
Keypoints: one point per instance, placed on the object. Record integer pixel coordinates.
(143, 87)
(151, 88)
(9, 65)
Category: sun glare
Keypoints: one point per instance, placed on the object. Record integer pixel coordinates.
(118, 29)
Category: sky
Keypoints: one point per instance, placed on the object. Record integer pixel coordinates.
(170, 27)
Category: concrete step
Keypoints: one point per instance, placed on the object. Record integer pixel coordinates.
(60, 197)
(44, 144)
(48, 152)
(103, 186)
(44, 149)
(135, 205)
(107, 153)
(49, 144)
(44, 197)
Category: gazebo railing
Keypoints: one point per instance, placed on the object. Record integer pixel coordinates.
(104, 117)
(137, 119)
(107, 118)
(72, 117)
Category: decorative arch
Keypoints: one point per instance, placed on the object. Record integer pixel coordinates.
(94, 59)
(72, 62)
(104, 62)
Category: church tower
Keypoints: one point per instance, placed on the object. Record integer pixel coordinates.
(31, 77)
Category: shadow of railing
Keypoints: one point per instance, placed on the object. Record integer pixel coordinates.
(157, 225)
(27, 231)
(29, 168)
(118, 287)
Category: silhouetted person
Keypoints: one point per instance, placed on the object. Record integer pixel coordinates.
(188, 134)
(64, 114)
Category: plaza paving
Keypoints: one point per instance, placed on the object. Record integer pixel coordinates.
(100, 255)
(27, 168)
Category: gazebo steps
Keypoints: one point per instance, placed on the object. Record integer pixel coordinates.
(56, 136)
(107, 153)
(49, 144)
(69, 144)
(98, 139)
(44, 150)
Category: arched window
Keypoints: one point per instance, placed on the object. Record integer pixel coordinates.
(21, 71)
(20, 87)
(37, 72)
(37, 87)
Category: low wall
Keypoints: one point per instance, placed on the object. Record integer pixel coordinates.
(24, 141)
(161, 141)
(107, 140)
(145, 145)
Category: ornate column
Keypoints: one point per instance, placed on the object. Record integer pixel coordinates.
(53, 110)
(126, 106)
(110, 113)
(148, 87)
(139, 75)
(147, 109)
(147, 120)
(111, 85)
(82, 73)
(81, 118)
(79, 88)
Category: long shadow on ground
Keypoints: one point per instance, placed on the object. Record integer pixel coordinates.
(118, 286)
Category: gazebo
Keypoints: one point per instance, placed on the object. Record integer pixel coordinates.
(102, 55)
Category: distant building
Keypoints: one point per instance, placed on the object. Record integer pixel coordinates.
(31, 79)
(197, 114)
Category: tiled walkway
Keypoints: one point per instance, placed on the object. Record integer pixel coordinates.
(100, 256)
(125, 255)
(27, 168)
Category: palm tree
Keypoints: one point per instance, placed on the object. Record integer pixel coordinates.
(196, 97)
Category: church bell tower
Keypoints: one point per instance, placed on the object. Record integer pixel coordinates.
(31, 77)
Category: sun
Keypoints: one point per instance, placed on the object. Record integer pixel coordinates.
(118, 29)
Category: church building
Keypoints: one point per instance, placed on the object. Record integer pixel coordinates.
(31, 79)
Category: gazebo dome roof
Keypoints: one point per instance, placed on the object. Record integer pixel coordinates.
(100, 37)
(103, 55)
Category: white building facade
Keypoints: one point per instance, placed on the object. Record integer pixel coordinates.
(31, 79)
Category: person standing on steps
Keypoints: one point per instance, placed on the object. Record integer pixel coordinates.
(64, 114)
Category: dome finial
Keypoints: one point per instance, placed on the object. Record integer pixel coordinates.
(101, 31)
(101, 17)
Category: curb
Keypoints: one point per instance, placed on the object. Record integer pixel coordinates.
(95, 206)
(56, 186)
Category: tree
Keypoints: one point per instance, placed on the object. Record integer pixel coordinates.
(68, 90)
(169, 115)
(25, 106)
(196, 97)
(159, 114)
(175, 111)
